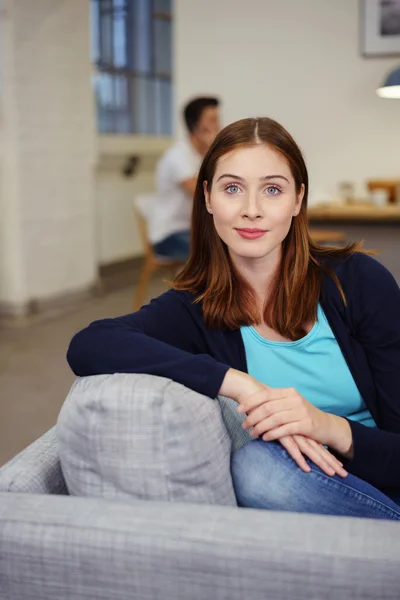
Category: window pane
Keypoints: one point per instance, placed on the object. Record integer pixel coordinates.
(104, 90)
(123, 122)
(94, 30)
(119, 35)
(163, 6)
(163, 102)
(122, 107)
(105, 100)
(106, 5)
(106, 38)
(144, 105)
(140, 27)
(121, 92)
(162, 45)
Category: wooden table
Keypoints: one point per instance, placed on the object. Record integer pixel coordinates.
(378, 227)
(360, 212)
(327, 236)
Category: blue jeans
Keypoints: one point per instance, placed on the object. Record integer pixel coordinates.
(265, 476)
(175, 245)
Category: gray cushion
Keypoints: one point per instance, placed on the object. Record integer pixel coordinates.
(143, 437)
(233, 423)
(35, 470)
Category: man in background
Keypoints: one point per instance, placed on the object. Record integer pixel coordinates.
(176, 176)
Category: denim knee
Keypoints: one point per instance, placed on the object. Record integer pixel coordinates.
(264, 476)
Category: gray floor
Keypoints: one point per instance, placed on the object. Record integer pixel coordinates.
(34, 375)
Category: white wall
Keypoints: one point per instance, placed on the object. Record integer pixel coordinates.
(297, 61)
(116, 228)
(117, 235)
(47, 167)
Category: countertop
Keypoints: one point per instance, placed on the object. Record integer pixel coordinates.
(359, 212)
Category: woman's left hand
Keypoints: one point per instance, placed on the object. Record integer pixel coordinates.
(273, 413)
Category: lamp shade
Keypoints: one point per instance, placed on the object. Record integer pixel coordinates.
(391, 87)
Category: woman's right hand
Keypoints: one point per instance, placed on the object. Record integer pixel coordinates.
(237, 385)
(299, 446)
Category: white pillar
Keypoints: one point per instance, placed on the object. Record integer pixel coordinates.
(13, 293)
(47, 127)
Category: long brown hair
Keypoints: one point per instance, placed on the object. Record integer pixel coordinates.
(228, 301)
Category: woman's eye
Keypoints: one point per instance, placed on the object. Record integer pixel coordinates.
(232, 189)
(273, 190)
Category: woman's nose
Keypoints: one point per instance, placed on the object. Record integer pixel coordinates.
(251, 208)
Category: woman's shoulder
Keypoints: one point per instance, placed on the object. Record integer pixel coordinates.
(359, 266)
(360, 272)
(172, 296)
(177, 299)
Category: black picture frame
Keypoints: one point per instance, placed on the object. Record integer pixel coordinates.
(380, 28)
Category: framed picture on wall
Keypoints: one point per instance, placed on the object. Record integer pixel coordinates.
(380, 27)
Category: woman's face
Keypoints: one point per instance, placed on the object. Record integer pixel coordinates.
(253, 200)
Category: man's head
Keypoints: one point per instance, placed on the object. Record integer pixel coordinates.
(202, 121)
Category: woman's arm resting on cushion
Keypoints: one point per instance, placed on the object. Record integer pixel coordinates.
(161, 339)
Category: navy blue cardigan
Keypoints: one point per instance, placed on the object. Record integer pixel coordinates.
(168, 338)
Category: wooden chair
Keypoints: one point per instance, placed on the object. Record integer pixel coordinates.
(152, 261)
(323, 236)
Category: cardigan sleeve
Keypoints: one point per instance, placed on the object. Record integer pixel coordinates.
(161, 339)
(375, 313)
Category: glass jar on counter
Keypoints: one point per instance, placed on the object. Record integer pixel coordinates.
(346, 191)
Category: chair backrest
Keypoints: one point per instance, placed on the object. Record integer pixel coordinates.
(142, 207)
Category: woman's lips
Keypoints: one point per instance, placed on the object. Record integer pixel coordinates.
(251, 234)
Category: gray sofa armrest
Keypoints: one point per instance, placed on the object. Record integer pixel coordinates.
(67, 547)
(36, 469)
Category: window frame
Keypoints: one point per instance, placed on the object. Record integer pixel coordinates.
(144, 140)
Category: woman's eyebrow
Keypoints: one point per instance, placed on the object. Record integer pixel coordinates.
(230, 176)
(266, 178)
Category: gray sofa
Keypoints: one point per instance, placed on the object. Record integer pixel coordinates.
(117, 545)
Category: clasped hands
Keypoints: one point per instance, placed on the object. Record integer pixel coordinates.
(304, 430)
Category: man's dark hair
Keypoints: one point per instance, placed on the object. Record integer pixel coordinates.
(194, 109)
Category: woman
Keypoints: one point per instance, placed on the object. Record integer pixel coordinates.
(305, 338)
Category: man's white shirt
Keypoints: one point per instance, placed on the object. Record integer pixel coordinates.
(171, 206)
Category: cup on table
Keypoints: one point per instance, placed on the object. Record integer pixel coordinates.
(379, 197)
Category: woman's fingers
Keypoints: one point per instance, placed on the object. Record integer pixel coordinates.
(270, 410)
(293, 449)
(320, 456)
(332, 460)
(272, 423)
(316, 457)
(299, 446)
(263, 395)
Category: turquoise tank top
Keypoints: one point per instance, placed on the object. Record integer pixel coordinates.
(314, 366)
